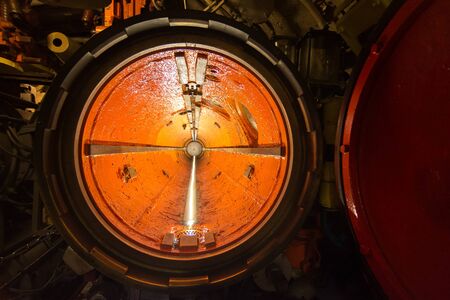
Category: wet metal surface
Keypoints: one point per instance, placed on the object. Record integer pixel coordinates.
(139, 119)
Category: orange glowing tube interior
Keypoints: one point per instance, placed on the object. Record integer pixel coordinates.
(184, 151)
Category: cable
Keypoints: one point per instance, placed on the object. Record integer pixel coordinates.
(27, 173)
(13, 202)
(12, 135)
(14, 155)
(8, 118)
(17, 101)
(46, 234)
(39, 289)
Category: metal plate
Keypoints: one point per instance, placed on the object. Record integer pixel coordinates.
(395, 153)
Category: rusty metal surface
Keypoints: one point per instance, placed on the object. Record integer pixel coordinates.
(143, 193)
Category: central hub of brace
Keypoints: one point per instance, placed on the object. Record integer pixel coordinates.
(194, 148)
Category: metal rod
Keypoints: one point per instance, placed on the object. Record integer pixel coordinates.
(190, 210)
(274, 151)
(197, 112)
(211, 4)
(218, 6)
(105, 149)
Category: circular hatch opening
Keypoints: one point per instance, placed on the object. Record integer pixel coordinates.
(143, 120)
(177, 156)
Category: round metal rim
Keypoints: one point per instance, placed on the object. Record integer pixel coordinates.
(134, 244)
(84, 240)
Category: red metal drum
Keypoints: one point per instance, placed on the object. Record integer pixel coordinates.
(395, 153)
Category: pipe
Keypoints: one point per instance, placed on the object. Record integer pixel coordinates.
(218, 6)
(309, 5)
